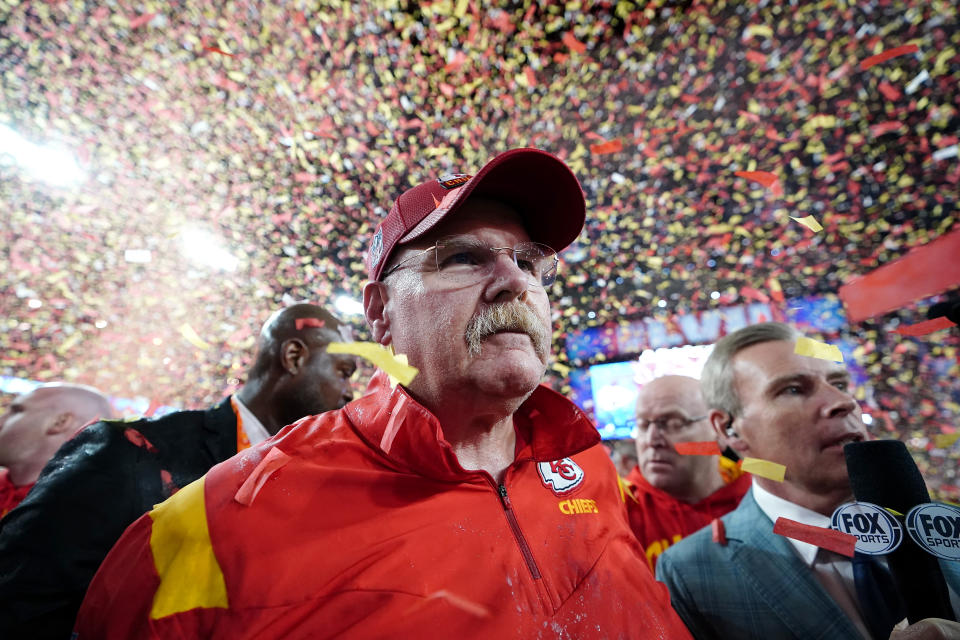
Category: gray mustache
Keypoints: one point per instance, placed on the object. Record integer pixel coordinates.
(510, 316)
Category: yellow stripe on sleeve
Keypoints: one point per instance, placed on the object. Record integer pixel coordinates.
(190, 577)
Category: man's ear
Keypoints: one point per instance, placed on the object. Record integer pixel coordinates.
(727, 435)
(375, 296)
(293, 355)
(61, 423)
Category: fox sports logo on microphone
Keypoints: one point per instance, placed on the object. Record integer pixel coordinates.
(877, 531)
(935, 526)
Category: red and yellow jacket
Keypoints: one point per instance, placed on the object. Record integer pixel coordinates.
(360, 523)
(659, 520)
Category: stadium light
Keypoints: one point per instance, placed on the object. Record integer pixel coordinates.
(54, 166)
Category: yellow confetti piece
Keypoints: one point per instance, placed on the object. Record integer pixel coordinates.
(764, 469)
(893, 512)
(192, 337)
(68, 343)
(815, 349)
(809, 222)
(395, 366)
(757, 30)
(945, 440)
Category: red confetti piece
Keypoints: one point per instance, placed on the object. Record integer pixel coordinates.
(765, 178)
(885, 127)
(923, 328)
(138, 22)
(919, 274)
(572, 43)
(220, 51)
(756, 57)
(866, 63)
(836, 541)
(138, 439)
(706, 448)
(613, 146)
(889, 91)
(719, 531)
(308, 322)
(531, 76)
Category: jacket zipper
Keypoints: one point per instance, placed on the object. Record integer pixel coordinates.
(515, 527)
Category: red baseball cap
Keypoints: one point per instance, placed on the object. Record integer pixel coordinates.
(537, 184)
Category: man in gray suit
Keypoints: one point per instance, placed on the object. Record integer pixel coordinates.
(770, 403)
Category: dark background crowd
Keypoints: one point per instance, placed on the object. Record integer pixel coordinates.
(251, 149)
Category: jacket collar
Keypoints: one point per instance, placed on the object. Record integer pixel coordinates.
(729, 492)
(550, 427)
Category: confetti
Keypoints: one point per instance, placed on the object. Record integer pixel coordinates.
(765, 178)
(945, 440)
(708, 448)
(829, 539)
(572, 43)
(764, 469)
(300, 323)
(273, 460)
(815, 349)
(220, 51)
(914, 84)
(925, 328)
(395, 366)
(193, 337)
(918, 274)
(719, 531)
(866, 63)
(613, 146)
(809, 222)
(945, 153)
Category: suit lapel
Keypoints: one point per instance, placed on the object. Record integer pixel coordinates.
(780, 578)
(220, 431)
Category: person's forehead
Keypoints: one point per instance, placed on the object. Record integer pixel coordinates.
(670, 393)
(761, 363)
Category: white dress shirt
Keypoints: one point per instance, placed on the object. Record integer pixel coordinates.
(832, 570)
(254, 429)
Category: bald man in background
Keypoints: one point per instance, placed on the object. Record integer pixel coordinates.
(113, 472)
(668, 495)
(35, 425)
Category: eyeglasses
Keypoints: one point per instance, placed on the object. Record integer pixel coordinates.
(465, 261)
(668, 426)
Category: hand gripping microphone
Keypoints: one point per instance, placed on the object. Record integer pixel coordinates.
(882, 472)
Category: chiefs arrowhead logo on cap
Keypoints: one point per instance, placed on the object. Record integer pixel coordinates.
(453, 180)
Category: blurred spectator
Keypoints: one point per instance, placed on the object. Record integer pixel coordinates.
(471, 502)
(33, 428)
(113, 472)
(670, 495)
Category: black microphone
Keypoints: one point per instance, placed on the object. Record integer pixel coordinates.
(882, 472)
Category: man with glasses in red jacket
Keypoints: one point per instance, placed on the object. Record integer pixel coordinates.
(670, 495)
(470, 502)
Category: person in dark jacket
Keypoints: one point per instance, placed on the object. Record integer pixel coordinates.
(112, 471)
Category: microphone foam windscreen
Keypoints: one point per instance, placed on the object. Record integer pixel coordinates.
(884, 473)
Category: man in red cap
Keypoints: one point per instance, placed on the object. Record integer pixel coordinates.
(468, 502)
